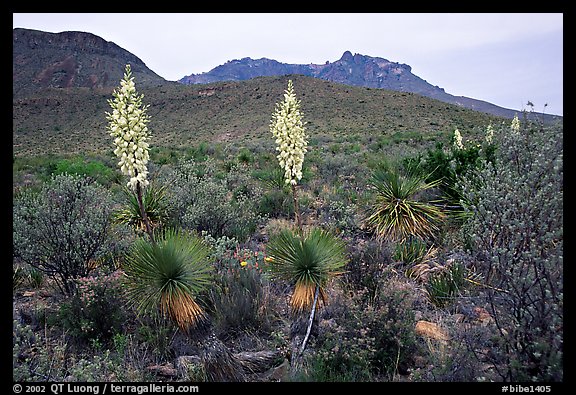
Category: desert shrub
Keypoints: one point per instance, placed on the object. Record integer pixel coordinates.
(448, 164)
(368, 338)
(33, 359)
(204, 199)
(515, 235)
(276, 199)
(63, 229)
(241, 302)
(96, 311)
(391, 319)
(341, 357)
(340, 217)
(368, 260)
(156, 333)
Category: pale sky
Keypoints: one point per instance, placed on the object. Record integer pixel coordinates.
(506, 59)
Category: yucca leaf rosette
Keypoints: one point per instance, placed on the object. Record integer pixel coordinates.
(168, 274)
(397, 213)
(307, 260)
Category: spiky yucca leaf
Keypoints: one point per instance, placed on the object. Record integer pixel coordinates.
(306, 260)
(166, 275)
(397, 213)
(155, 204)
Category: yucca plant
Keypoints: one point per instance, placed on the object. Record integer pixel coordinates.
(411, 251)
(155, 205)
(308, 261)
(18, 277)
(166, 275)
(397, 212)
(445, 285)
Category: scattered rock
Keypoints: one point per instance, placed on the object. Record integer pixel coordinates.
(167, 370)
(482, 316)
(431, 330)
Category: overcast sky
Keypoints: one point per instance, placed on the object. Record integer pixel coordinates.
(507, 59)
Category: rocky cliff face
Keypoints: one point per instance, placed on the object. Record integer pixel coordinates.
(71, 59)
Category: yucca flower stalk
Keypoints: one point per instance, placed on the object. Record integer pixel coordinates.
(287, 127)
(515, 125)
(397, 213)
(166, 276)
(458, 140)
(489, 134)
(128, 125)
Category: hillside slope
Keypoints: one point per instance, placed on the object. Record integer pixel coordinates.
(68, 120)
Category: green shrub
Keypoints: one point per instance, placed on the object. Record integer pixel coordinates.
(410, 252)
(241, 301)
(204, 199)
(341, 218)
(515, 236)
(156, 334)
(367, 338)
(33, 359)
(63, 229)
(368, 260)
(88, 168)
(96, 312)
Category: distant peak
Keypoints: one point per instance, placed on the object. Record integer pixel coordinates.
(347, 57)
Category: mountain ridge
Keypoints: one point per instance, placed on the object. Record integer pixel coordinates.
(355, 70)
(71, 59)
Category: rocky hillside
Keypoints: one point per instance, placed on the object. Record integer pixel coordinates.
(71, 60)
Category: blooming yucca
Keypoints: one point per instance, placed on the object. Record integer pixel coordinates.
(127, 125)
(515, 125)
(288, 129)
(489, 134)
(458, 140)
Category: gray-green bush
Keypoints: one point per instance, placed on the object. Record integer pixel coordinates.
(64, 229)
(515, 235)
(221, 203)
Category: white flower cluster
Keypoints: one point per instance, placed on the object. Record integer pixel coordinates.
(288, 129)
(515, 125)
(489, 134)
(458, 140)
(128, 127)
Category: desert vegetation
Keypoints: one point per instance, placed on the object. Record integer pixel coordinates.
(294, 255)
